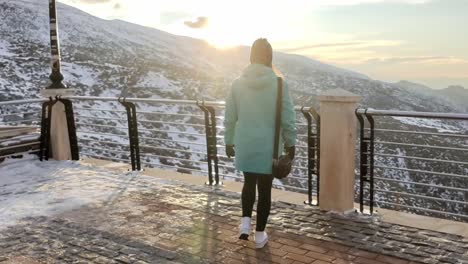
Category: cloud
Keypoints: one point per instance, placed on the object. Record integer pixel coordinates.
(417, 59)
(358, 44)
(322, 45)
(117, 6)
(200, 22)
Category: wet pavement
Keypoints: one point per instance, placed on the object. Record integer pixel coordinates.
(94, 215)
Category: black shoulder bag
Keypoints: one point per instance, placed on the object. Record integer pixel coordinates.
(282, 165)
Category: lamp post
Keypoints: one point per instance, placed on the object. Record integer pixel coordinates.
(56, 76)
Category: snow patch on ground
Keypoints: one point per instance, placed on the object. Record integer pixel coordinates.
(157, 80)
(4, 49)
(79, 73)
(29, 187)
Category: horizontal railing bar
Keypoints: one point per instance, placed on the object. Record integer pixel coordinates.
(172, 166)
(20, 145)
(422, 184)
(422, 171)
(108, 150)
(102, 157)
(145, 100)
(21, 121)
(421, 209)
(226, 166)
(169, 114)
(419, 196)
(418, 145)
(100, 133)
(172, 123)
(170, 149)
(100, 110)
(21, 113)
(171, 132)
(420, 158)
(105, 142)
(95, 125)
(168, 157)
(376, 112)
(420, 133)
(26, 101)
(103, 118)
(175, 141)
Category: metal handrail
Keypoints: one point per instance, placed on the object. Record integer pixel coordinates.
(421, 158)
(176, 158)
(423, 184)
(136, 132)
(419, 145)
(422, 171)
(26, 101)
(375, 112)
(145, 100)
(421, 133)
(367, 166)
(20, 113)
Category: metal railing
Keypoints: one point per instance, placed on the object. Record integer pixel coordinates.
(22, 120)
(184, 135)
(423, 172)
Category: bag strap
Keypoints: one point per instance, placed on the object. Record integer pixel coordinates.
(279, 106)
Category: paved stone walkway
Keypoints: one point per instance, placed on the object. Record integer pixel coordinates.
(145, 220)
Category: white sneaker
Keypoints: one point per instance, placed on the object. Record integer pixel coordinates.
(245, 228)
(261, 239)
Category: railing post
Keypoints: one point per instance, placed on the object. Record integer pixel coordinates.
(337, 150)
(132, 134)
(313, 152)
(75, 153)
(371, 162)
(366, 171)
(214, 143)
(46, 117)
(363, 161)
(208, 141)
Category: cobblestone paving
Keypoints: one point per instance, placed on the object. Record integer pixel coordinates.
(146, 220)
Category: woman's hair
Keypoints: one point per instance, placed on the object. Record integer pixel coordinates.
(262, 53)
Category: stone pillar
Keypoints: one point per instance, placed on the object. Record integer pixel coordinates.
(59, 139)
(337, 150)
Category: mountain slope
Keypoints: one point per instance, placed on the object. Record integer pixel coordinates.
(115, 57)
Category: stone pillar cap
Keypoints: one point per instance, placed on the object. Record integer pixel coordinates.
(339, 95)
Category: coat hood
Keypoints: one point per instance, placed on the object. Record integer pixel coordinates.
(257, 76)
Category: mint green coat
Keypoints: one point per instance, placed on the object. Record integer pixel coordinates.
(250, 119)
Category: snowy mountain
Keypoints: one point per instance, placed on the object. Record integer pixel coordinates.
(116, 58)
(455, 96)
(102, 57)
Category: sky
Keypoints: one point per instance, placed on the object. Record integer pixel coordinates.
(424, 41)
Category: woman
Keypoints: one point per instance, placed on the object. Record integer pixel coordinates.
(249, 136)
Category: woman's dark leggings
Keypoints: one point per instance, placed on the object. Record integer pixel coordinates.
(264, 183)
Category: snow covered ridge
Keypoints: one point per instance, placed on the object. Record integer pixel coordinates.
(103, 57)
